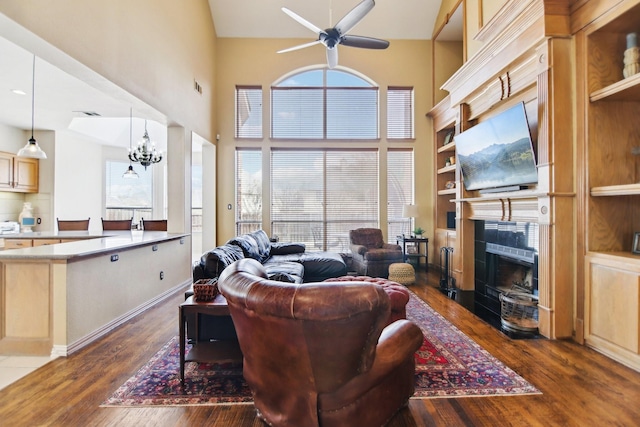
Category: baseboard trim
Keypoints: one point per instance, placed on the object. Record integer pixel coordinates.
(65, 350)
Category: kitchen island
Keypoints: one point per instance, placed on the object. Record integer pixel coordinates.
(59, 297)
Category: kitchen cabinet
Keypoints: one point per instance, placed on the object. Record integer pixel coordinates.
(18, 174)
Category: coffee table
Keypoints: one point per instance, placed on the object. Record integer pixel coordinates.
(218, 351)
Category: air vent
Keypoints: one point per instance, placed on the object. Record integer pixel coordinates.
(89, 113)
(197, 87)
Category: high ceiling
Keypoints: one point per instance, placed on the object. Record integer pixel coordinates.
(62, 101)
(389, 19)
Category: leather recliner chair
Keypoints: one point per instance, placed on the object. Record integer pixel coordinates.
(371, 256)
(319, 353)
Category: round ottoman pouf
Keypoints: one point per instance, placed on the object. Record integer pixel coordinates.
(402, 273)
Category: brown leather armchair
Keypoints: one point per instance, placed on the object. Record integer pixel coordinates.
(319, 353)
(370, 254)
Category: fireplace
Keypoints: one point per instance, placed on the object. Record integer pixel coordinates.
(506, 259)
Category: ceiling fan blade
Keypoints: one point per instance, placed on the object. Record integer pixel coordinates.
(354, 16)
(332, 57)
(300, 46)
(364, 42)
(302, 21)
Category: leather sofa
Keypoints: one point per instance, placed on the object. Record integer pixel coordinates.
(285, 262)
(320, 353)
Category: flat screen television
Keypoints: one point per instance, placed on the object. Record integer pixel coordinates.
(497, 154)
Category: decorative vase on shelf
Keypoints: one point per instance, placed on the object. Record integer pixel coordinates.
(26, 218)
(631, 56)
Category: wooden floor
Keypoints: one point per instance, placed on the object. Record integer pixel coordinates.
(579, 386)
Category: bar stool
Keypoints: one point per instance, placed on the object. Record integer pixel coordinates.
(154, 224)
(116, 224)
(73, 225)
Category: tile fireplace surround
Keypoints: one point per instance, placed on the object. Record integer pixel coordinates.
(505, 258)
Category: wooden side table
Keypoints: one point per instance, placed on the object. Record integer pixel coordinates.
(417, 241)
(220, 351)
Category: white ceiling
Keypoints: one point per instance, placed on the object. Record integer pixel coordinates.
(61, 100)
(389, 19)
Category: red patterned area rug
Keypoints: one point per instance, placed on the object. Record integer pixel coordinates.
(449, 364)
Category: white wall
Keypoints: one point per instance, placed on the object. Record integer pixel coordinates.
(79, 167)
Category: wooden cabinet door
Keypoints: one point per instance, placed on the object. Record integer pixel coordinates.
(6, 171)
(26, 174)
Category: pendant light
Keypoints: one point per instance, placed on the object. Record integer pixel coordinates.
(130, 173)
(32, 149)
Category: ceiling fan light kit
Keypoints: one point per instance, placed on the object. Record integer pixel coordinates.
(332, 37)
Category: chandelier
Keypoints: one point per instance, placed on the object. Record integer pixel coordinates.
(145, 152)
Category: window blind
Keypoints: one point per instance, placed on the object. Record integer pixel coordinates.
(400, 112)
(248, 191)
(324, 113)
(317, 196)
(248, 112)
(400, 190)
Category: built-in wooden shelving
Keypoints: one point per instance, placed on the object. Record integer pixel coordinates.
(450, 168)
(449, 147)
(623, 90)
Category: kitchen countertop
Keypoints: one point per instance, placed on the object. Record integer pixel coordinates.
(63, 234)
(87, 243)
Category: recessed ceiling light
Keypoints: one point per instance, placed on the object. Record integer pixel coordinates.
(18, 92)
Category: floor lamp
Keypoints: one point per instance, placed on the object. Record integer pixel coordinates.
(409, 211)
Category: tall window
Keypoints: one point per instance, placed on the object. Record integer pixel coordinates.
(400, 113)
(248, 191)
(127, 198)
(399, 190)
(248, 112)
(324, 104)
(317, 196)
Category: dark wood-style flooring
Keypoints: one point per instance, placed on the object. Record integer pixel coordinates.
(579, 386)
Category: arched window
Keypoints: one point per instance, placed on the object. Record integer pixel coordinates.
(319, 190)
(324, 104)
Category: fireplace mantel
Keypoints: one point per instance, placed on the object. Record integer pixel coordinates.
(525, 58)
(505, 209)
(519, 206)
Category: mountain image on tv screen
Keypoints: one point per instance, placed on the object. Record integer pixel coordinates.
(498, 152)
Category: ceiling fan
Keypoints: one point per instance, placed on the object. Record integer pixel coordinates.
(332, 37)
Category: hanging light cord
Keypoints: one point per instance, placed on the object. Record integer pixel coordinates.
(33, 94)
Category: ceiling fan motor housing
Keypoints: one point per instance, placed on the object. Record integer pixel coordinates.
(330, 38)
